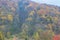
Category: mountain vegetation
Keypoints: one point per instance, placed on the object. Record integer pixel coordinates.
(27, 20)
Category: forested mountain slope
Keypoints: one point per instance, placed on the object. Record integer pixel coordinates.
(27, 18)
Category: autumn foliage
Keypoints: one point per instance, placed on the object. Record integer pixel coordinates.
(56, 37)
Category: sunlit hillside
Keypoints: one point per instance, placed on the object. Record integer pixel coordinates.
(28, 20)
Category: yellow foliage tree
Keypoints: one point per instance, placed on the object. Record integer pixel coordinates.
(1, 36)
(29, 19)
(3, 17)
(31, 13)
(36, 36)
(10, 17)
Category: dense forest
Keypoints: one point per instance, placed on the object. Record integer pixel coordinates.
(27, 20)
